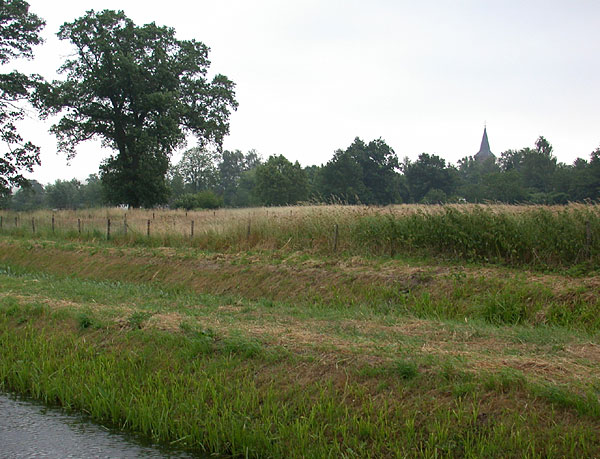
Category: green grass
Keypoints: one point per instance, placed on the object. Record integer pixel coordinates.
(232, 401)
(372, 359)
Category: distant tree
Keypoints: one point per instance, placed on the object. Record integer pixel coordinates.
(19, 32)
(510, 160)
(313, 174)
(64, 194)
(506, 187)
(202, 200)
(92, 192)
(280, 182)
(535, 166)
(577, 182)
(246, 195)
(29, 197)
(429, 172)
(435, 196)
(342, 179)
(199, 168)
(175, 184)
(592, 179)
(380, 165)
(538, 166)
(472, 178)
(363, 172)
(140, 90)
(230, 171)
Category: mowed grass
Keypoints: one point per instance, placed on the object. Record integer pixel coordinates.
(277, 354)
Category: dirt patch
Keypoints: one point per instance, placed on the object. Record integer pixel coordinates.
(170, 322)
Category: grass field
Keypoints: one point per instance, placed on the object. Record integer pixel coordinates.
(536, 236)
(264, 347)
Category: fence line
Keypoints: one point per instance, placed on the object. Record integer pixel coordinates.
(387, 239)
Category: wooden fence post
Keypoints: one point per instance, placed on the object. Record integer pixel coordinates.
(335, 237)
(125, 224)
(107, 229)
(16, 222)
(148, 230)
(53, 223)
(33, 225)
(248, 231)
(79, 225)
(192, 229)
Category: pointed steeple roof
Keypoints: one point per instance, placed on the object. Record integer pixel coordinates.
(484, 151)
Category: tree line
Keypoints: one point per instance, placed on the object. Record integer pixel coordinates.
(143, 92)
(363, 173)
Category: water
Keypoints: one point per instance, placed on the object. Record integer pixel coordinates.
(29, 430)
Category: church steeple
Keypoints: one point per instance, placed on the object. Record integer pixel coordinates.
(484, 151)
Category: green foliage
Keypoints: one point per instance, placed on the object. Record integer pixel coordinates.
(19, 32)
(199, 169)
(427, 173)
(141, 185)
(538, 237)
(29, 197)
(363, 173)
(435, 196)
(85, 320)
(62, 194)
(279, 182)
(200, 200)
(235, 182)
(144, 93)
(137, 319)
(503, 309)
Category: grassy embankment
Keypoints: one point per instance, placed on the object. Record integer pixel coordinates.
(308, 353)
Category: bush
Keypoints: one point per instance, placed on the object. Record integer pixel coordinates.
(200, 200)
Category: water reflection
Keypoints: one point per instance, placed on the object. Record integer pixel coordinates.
(29, 430)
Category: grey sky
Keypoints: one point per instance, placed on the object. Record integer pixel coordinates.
(423, 75)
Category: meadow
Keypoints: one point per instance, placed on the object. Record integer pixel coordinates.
(541, 236)
(324, 331)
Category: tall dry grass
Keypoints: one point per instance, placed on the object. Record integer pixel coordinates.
(516, 235)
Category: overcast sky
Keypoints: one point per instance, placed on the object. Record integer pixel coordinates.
(423, 75)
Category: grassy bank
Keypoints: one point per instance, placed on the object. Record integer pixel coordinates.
(295, 354)
(534, 236)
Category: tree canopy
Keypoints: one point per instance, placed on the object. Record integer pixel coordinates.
(141, 91)
(429, 174)
(19, 32)
(280, 182)
(363, 172)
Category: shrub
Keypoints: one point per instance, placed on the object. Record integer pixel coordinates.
(201, 200)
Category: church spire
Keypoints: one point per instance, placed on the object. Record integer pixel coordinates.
(484, 151)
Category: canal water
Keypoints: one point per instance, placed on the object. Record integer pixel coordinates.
(31, 430)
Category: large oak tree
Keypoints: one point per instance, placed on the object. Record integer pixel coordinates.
(19, 32)
(141, 91)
